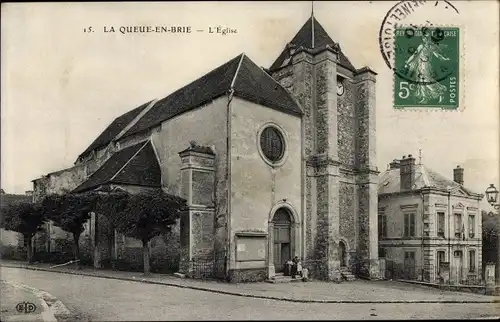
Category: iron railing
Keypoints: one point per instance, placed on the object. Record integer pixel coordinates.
(212, 267)
(395, 271)
(430, 274)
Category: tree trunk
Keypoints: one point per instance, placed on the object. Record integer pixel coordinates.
(76, 248)
(145, 251)
(29, 249)
(97, 251)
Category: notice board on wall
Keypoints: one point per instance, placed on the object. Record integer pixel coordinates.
(251, 247)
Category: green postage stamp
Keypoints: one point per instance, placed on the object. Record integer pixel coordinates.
(427, 67)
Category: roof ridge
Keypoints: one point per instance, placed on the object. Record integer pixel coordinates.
(136, 119)
(126, 163)
(425, 176)
(97, 144)
(231, 87)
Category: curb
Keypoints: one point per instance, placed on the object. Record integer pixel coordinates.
(266, 297)
(52, 307)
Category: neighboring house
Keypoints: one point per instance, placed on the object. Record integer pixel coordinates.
(425, 220)
(274, 163)
(8, 237)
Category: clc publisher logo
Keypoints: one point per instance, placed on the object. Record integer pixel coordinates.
(25, 307)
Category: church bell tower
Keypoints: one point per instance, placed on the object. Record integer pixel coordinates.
(338, 126)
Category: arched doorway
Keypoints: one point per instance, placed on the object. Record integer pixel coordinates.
(282, 244)
(343, 255)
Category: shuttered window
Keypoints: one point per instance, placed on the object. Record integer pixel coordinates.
(472, 260)
(440, 225)
(409, 229)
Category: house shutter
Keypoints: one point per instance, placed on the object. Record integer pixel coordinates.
(406, 229)
(412, 225)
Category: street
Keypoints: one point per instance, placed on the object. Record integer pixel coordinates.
(97, 299)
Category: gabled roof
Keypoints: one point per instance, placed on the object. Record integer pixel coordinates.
(311, 36)
(114, 129)
(244, 77)
(424, 177)
(134, 165)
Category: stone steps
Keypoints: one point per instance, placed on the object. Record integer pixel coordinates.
(280, 278)
(347, 274)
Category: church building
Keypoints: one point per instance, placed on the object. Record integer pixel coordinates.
(274, 163)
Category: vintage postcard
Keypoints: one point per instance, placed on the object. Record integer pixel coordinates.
(250, 160)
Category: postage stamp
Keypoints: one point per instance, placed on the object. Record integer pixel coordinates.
(427, 67)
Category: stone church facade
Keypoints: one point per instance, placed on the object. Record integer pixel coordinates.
(274, 163)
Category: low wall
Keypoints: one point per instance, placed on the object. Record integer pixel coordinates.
(247, 275)
(479, 289)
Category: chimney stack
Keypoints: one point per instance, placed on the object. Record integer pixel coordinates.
(407, 172)
(458, 175)
(394, 164)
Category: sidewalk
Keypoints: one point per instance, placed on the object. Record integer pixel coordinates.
(358, 291)
(32, 308)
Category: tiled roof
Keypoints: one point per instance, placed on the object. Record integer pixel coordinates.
(305, 38)
(251, 83)
(424, 177)
(134, 165)
(114, 129)
(254, 84)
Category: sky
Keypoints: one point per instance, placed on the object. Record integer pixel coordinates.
(61, 86)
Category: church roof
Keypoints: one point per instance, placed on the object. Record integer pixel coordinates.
(311, 36)
(134, 165)
(240, 74)
(114, 129)
(424, 178)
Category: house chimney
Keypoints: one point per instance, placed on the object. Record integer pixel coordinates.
(394, 164)
(407, 172)
(458, 175)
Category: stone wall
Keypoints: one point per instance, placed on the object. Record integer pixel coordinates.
(203, 234)
(247, 275)
(367, 174)
(59, 182)
(326, 105)
(163, 250)
(64, 181)
(339, 145)
(347, 204)
(346, 126)
(257, 186)
(365, 115)
(207, 125)
(303, 90)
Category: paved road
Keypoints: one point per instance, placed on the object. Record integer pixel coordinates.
(97, 299)
(13, 296)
